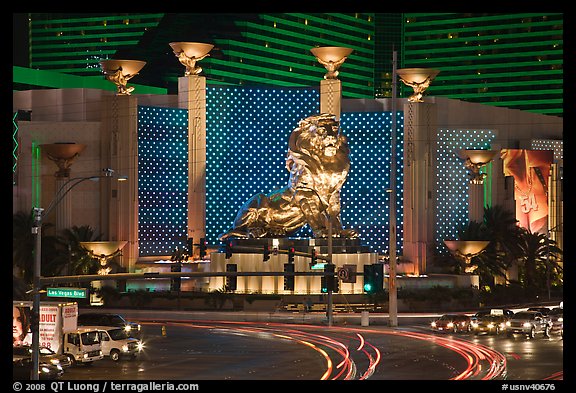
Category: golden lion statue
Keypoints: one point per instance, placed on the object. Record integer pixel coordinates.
(318, 160)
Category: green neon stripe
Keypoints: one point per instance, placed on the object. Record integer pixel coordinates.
(36, 174)
(75, 54)
(504, 36)
(477, 28)
(14, 144)
(504, 66)
(44, 78)
(481, 19)
(444, 47)
(96, 19)
(81, 45)
(486, 57)
(555, 92)
(554, 75)
(109, 35)
(94, 31)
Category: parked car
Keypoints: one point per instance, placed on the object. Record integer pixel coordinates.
(117, 343)
(529, 323)
(490, 324)
(556, 316)
(45, 355)
(22, 367)
(109, 319)
(455, 323)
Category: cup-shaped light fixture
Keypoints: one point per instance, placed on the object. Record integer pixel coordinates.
(474, 160)
(104, 251)
(63, 155)
(120, 71)
(465, 250)
(188, 53)
(331, 57)
(418, 79)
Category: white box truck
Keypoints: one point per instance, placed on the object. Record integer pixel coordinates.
(58, 330)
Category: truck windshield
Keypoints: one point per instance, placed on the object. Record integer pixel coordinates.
(90, 338)
(118, 334)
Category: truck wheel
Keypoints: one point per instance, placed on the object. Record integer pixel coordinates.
(547, 331)
(72, 360)
(115, 355)
(532, 332)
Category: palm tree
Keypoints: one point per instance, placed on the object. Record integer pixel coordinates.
(76, 259)
(539, 261)
(23, 245)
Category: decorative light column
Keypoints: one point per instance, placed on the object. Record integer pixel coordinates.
(420, 136)
(474, 161)
(192, 96)
(120, 72)
(63, 155)
(331, 57)
(119, 147)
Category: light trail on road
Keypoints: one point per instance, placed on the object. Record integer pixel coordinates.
(346, 349)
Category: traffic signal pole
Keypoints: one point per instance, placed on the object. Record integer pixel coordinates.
(392, 293)
(329, 305)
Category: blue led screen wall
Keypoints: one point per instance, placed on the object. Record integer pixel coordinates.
(247, 140)
(452, 181)
(162, 179)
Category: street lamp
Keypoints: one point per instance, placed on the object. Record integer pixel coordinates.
(39, 214)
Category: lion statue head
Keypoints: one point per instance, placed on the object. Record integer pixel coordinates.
(318, 161)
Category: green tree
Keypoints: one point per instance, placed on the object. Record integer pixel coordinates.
(539, 263)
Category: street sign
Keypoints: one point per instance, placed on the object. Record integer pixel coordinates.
(347, 273)
(76, 293)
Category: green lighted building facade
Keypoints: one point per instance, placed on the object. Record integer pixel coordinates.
(512, 60)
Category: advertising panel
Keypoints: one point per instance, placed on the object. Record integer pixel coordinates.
(531, 170)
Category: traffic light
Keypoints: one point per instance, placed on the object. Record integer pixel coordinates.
(288, 280)
(331, 280)
(266, 253)
(291, 255)
(203, 247)
(228, 250)
(231, 280)
(313, 259)
(373, 278)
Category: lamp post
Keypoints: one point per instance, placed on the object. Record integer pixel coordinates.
(548, 278)
(39, 214)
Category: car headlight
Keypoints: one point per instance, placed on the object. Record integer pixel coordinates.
(508, 323)
(124, 348)
(45, 369)
(490, 326)
(474, 324)
(450, 324)
(433, 324)
(560, 319)
(85, 356)
(55, 361)
(526, 324)
(140, 346)
(127, 328)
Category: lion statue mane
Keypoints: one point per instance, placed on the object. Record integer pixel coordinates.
(318, 160)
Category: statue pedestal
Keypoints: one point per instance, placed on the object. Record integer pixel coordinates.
(250, 259)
